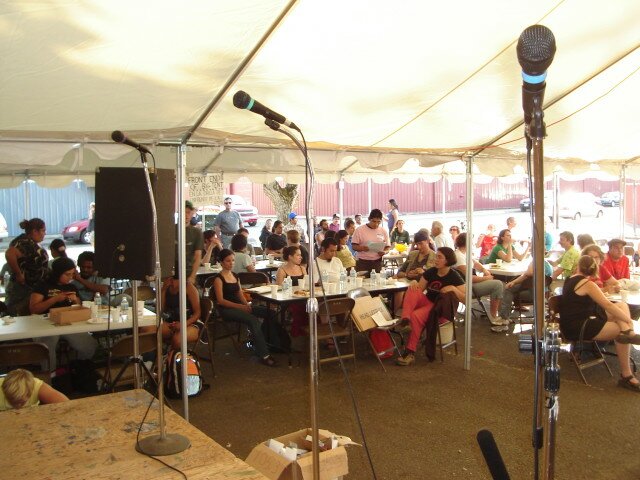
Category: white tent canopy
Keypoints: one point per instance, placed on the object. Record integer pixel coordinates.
(372, 84)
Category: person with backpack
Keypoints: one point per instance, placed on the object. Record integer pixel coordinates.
(233, 306)
(171, 313)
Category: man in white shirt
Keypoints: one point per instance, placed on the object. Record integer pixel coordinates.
(293, 225)
(440, 238)
(327, 261)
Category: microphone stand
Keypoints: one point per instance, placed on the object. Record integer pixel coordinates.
(547, 341)
(312, 303)
(162, 443)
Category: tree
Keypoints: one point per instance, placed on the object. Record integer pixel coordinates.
(282, 198)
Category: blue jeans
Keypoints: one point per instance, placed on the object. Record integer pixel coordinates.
(252, 322)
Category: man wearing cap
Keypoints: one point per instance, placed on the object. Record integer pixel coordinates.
(567, 262)
(194, 244)
(227, 223)
(615, 261)
(293, 225)
(335, 223)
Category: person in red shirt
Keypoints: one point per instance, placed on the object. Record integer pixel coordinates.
(486, 241)
(615, 261)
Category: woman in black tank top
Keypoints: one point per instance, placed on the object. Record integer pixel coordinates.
(581, 298)
(295, 271)
(171, 313)
(233, 307)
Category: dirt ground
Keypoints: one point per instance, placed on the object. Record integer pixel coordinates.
(421, 421)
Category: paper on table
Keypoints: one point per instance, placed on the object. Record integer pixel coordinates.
(378, 317)
(261, 289)
(376, 246)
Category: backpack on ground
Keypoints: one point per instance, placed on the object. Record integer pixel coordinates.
(173, 374)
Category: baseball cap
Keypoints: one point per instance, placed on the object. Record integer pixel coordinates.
(292, 215)
(616, 241)
(188, 204)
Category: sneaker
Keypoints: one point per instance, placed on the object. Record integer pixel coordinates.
(407, 360)
(500, 328)
(497, 320)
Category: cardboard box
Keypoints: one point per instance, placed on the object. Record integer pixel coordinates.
(363, 310)
(69, 315)
(333, 461)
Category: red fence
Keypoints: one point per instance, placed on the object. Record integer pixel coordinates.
(417, 197)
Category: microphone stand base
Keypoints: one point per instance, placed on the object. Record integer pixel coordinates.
(156, 446)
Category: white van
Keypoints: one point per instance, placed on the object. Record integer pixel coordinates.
(579, 204)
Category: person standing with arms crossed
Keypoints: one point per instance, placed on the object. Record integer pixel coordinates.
(227, 223)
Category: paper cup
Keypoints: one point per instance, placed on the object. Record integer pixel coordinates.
(207, 266)
(302, 283)
(498, 262)
(94, 310)
(274, 290)
(140, 308)
(270, 259)
(87, 303)
(358, 281)
(330, 287)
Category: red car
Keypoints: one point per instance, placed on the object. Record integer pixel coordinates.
(77, 231)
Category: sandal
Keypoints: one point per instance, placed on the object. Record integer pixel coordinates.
(625, 382)
(269, 361)
(628, 336)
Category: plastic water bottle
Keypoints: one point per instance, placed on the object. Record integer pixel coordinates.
(352, 277)
(382, 277)
(286, 285)
(343, 279)
(373, 277)
(97, 299)
(124, 309)
(325, 277)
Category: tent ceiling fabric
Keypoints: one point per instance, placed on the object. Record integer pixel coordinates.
(380, 89)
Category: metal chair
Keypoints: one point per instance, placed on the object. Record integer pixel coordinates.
(361, 292)
(577, 347)
(253, 279)
(206, 306)
(144, 293)
(14, 355)
(342, 327)
(520, 304)
(122, 350)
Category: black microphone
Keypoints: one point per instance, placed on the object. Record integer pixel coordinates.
(119, 137)
(243, 100)
(492, 455)
(536, 48)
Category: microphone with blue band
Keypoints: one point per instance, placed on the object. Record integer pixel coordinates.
(244, 101)
(536, 49)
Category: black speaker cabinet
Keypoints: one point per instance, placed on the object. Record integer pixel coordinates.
(124, 244)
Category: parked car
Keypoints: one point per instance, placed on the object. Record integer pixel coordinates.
(578, 205)
(249, 214)
(610, 199)
(4, 231)
(525, 203)
(77, 231)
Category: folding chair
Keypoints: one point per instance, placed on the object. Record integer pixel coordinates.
(362, 293)
(340, 308)
(577, 347)
(122, 351)
(14, 355)
(206, 306)
(253, 279)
